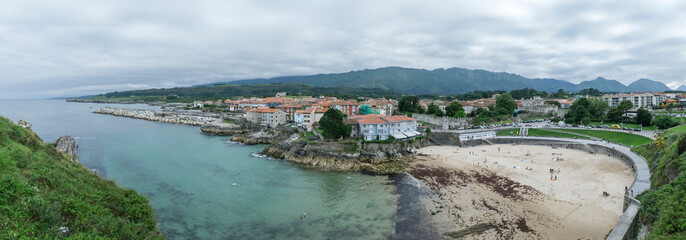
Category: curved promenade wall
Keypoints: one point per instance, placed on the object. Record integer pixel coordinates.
(624, 229)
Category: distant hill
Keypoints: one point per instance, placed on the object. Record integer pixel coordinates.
(647, 85)
(681, 88)
(604, 85)
(452, 81)
(188, 94)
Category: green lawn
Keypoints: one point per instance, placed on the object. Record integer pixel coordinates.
(629, 125)
(508, 132)
(675, 130)
(627, 139)
(320, 131)
(546, 133)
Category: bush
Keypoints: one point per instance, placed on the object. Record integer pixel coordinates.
(664, 122)
(428, 130)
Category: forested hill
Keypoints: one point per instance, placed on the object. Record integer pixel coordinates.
(45, 195)
(452, 81)
(252, 90)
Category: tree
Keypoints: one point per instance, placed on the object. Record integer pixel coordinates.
(432, 109)
(365, 109)
(664, 122)
(460, 114)
(506, 101)
(643, 117)
(453, 108)
(625, 105)
(551, 102)
(615, 114)
(409, 104)
(597, 108)
(559, 94)
(333, 126)
(590, 92)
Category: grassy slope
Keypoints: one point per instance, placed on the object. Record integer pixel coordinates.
(664, 205)
(546, 133)
(675, 130)
(41, 191)
(507, 132)
(629, 125)
(627, 139)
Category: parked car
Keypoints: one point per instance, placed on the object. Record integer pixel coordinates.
(615, 126)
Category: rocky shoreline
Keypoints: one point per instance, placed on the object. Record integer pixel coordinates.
(167, 117)
(286, 143)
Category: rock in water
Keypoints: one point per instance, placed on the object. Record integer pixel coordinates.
(67, 145)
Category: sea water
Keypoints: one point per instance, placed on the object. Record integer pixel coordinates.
(207, 187)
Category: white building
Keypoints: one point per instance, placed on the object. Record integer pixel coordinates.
(375, 126)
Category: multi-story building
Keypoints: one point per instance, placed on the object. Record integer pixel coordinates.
(305, 118)
(271, 117)
(640, 100)
(290, 109)
(350, 108)
(375, 126)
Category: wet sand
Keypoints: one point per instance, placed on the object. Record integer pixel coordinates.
(483, 193)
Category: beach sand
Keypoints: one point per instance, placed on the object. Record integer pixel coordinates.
(489, 192)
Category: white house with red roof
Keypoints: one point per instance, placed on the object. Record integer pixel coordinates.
(375, 125)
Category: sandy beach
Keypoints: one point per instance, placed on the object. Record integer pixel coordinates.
(521, 191)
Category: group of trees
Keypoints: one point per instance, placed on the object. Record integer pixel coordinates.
(585, 110)
(410, 104)
(504, 108)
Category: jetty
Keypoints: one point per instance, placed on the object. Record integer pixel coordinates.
(193, 119)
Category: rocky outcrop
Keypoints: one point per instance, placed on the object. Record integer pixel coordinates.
(382, 158)
(67, 145)
(223, 129)
(24, 124)
(262, 137)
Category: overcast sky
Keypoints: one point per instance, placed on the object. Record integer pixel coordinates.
(73, 48)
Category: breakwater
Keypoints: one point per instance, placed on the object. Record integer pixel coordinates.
(166, 117)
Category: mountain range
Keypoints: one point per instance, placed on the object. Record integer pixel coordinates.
(453, 81)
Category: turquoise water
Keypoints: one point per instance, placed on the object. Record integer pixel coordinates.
(206, 187)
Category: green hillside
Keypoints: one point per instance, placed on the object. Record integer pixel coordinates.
(648, 85)
(44, 195)
(664, 205)
(420, 81)
(235, 90)
(453, 81)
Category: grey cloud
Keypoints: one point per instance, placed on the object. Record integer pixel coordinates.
(71, 48)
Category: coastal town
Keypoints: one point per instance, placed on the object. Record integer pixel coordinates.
(381, 119)
(428, 137)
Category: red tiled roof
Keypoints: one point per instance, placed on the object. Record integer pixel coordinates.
(399, 118)
(371, 120)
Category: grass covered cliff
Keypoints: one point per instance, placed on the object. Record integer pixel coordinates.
(664, 205)
(45, 195)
